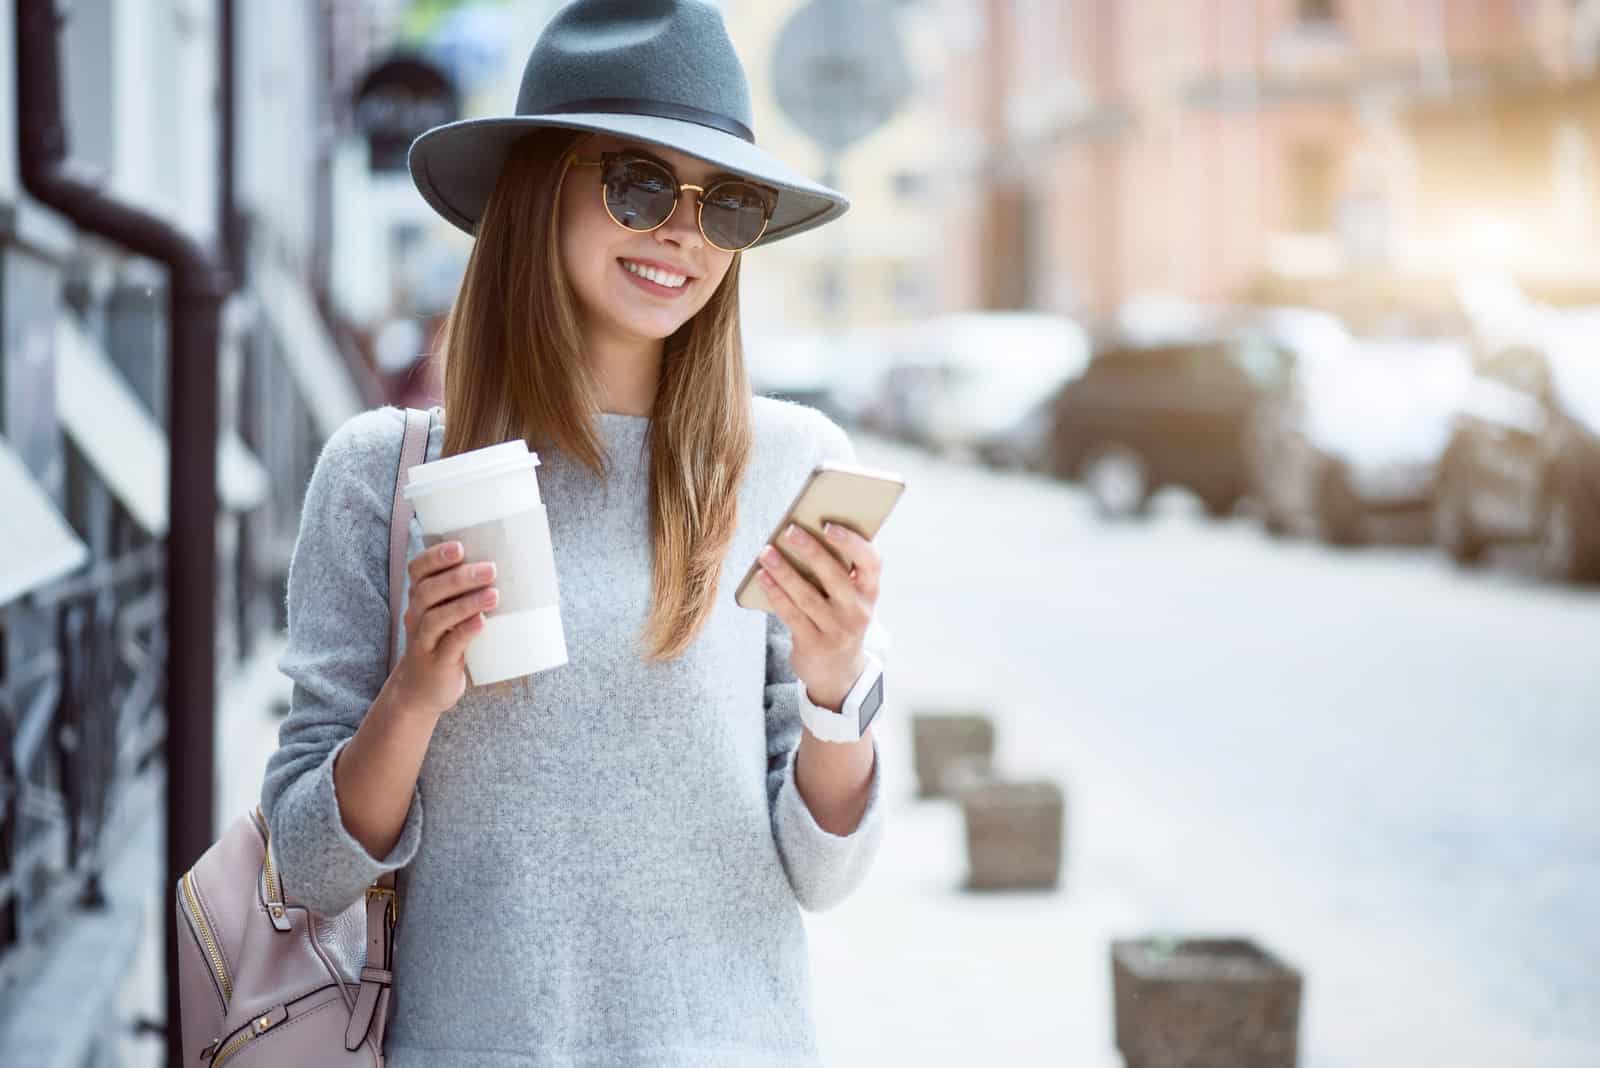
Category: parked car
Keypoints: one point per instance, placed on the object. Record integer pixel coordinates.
(792, 366)
(820, 368)
(1524, 461)
(952, 382)
(1025, 444)
(1173, 413)
(1356, 435)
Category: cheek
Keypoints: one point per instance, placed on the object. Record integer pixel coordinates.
(580, 248)
(717, 270)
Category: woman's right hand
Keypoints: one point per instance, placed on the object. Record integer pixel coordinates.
(443, 614)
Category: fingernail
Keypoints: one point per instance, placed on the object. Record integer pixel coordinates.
(794, 533)
(452, 550)
(489, 598)
(833, 532)
(483, 571)
(769, 554)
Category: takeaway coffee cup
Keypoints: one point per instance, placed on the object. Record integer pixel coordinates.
(488, 500)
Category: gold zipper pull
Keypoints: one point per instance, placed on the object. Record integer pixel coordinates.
(211, 1050)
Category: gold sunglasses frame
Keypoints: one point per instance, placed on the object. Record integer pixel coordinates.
(677, 196)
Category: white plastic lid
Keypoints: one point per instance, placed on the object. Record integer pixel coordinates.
(493, 459)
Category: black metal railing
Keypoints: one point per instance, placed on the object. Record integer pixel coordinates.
(80, 720)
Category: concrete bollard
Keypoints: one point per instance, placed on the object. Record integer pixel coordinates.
(940, 740)
(1203, 1003)
(1014, 833)
(961, 774)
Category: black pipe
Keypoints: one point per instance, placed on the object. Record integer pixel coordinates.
(198, 286)
(229, 224)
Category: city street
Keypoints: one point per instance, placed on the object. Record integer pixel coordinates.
(1378, 766)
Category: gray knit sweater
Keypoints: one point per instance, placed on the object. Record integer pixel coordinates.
(607, 866)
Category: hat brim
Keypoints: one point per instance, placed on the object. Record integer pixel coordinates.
(455, 166)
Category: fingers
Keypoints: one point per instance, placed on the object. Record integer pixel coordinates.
(842, 582)
(830, 572)
(447, 596)
(783, 606)
(453, 645)
(443, 619)
(865, 564)
(434, 558)
(452, 582)
(813, 619)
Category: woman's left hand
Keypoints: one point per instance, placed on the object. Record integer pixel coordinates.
(829, 623)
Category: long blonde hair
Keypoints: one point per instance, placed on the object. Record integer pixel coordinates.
(513, 366)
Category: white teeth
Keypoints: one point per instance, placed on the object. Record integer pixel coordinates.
(671, 281)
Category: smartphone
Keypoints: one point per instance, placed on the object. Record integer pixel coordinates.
(860, 498)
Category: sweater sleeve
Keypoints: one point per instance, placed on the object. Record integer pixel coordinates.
(337, 657)
(823, 868)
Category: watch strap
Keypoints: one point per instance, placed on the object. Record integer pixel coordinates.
(843, 725)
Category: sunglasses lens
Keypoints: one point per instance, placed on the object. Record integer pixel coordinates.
(734, 214)
(639, 194)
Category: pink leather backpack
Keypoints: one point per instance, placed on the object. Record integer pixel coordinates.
(252, 961)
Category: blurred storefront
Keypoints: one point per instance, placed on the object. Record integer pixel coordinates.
(85, 422)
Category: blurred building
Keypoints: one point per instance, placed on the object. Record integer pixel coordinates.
(1223, 149)
(85, 378)
(887, 248)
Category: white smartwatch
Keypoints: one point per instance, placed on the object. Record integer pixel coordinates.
(861, 705)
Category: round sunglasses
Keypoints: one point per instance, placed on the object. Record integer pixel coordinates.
(640, 194)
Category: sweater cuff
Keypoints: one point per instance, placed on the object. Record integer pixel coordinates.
(350, 865)
(824, 867)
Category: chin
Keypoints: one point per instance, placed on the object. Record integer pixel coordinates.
(649, 322)
(647, 328)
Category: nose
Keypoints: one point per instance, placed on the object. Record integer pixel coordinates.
(684, 226)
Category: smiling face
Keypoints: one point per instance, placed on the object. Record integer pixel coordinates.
(623, 280)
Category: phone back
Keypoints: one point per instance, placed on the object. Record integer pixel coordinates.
(833, 493)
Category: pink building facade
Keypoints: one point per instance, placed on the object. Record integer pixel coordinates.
(1213, 149)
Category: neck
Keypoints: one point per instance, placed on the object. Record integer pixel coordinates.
(627, 369)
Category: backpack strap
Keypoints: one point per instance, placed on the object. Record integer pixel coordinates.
(413, 449)
(382, 903)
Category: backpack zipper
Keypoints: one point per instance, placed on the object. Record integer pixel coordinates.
(250, 1030)
(208, 940)
(274, 899)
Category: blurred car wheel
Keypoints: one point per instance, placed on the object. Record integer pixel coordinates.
(1118, 479)
(1453, 530)
(1340, 516)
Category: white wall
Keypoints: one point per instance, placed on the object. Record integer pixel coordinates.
(276, 133)
(163, 95)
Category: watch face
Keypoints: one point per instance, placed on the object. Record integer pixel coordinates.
(871, 703)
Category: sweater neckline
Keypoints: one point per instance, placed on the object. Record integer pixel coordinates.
(618, 418)
(623, 434)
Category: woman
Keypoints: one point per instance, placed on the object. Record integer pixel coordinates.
(602, 863)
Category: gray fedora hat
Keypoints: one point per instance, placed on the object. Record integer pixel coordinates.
(662, 72)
